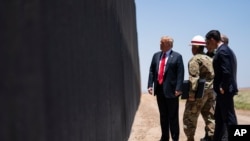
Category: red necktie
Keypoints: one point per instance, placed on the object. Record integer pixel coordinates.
(161, 70)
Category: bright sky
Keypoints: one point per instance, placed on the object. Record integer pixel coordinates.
(184, 19)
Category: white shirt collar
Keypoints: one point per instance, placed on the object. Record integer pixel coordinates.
(219, 45)
(168, 52)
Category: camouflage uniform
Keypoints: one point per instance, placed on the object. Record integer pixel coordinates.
(200, 66)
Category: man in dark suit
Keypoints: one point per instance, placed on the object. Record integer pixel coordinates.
(166, 75)
(225, 85)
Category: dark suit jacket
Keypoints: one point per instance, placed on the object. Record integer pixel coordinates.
(225, 69)
(174, 73)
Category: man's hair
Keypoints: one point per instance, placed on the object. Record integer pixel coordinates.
(168, 39)
(224, 39)
(215, 34)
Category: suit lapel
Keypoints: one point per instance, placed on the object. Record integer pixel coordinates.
(158, 58)
(218, 51)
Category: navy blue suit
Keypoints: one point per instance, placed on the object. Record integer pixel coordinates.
(168, 103)
(174, 74)
(225, 69)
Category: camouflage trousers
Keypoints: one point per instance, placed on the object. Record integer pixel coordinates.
(205, 106)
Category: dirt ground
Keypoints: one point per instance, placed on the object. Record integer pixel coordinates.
(146, 126)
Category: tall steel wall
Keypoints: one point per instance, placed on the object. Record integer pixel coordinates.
(69, 70)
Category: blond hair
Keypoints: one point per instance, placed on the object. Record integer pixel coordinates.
(168, 39)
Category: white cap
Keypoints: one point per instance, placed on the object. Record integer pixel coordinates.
(198, 40)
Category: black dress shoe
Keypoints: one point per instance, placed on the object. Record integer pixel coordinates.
(206, 139)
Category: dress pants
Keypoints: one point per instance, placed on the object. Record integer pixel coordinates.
(224, 116)
(169, 115)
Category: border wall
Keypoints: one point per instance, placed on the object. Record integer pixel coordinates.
(69, 70)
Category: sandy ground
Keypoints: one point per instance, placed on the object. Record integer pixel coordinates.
(146, 126)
